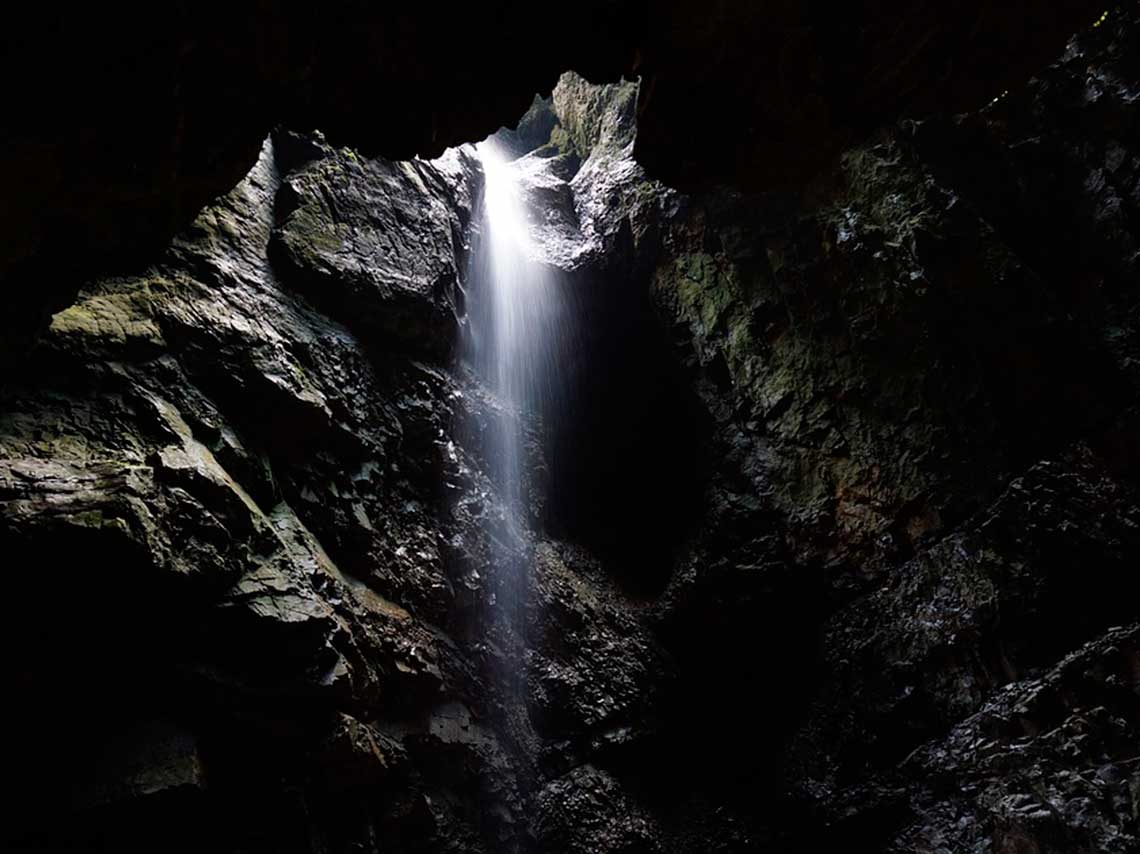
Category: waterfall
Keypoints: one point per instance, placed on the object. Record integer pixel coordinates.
(514, 332)
(513, 326)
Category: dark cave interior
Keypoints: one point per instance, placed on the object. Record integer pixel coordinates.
(829, 532)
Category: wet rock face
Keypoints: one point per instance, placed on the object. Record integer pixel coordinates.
(350, 239)
(858, 337)
(206, 470)
(917, 389)
(839, 547)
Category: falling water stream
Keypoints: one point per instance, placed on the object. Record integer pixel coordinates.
(515, 327)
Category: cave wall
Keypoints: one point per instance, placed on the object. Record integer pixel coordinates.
(923, 363)
(154, 451)
(250, 484)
